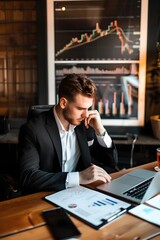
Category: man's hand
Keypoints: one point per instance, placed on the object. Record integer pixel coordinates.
(93, 119)
(93, 174)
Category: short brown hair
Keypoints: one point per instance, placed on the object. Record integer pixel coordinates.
(74, 84)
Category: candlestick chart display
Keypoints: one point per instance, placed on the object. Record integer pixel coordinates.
(107, 42)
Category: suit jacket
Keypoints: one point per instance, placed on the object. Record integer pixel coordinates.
(40, 153)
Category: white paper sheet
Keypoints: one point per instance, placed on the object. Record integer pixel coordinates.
(147, 213)
(155, 201)
(88, 204)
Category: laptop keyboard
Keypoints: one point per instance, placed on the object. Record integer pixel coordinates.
(139, 190)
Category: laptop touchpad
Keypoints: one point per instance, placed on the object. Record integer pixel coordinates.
(130, 180)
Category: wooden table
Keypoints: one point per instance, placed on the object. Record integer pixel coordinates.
(22, 216)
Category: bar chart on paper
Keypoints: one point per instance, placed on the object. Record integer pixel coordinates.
(104, 202)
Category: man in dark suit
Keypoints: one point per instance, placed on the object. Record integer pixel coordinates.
(58, 148)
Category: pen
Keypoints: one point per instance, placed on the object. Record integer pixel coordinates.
(117, 214)
(152, 236)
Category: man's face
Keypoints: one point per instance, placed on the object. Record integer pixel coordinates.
(75, 112)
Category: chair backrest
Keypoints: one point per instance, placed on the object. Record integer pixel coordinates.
(36, 109)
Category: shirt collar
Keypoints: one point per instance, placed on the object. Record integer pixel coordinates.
(59, 124)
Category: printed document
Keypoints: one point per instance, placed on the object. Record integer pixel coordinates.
(93, 207)
(147, 213)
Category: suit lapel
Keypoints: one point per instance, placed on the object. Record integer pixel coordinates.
(52, 129)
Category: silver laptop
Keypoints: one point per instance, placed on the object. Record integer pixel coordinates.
(136, 186)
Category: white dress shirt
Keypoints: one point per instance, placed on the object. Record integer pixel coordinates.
(71, 151)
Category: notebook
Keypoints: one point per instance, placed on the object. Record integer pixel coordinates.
(136, 186)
